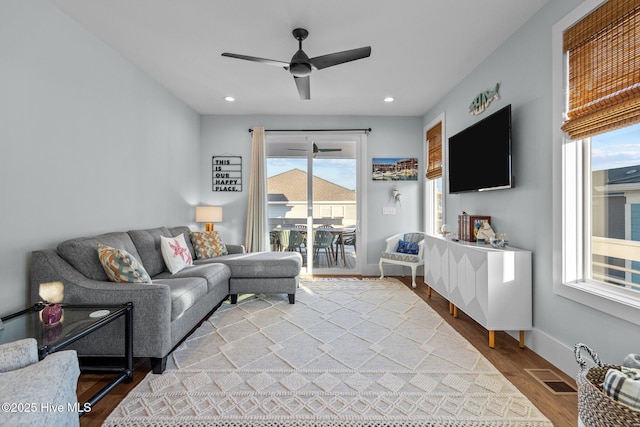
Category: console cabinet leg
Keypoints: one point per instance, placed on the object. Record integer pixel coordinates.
(453, 310)
(521, 339)
(492, 339)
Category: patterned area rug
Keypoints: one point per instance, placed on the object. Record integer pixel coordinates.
(349, 352)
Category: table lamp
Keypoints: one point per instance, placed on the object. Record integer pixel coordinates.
(208, 215)
(52, 293)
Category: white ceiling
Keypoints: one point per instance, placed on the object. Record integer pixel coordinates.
(421, 49)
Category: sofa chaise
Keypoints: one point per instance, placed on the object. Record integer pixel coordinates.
(168, 308)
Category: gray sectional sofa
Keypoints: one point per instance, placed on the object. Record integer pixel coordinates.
(166, 310)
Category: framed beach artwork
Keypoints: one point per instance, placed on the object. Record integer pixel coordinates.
(475, 223)
(394, 168)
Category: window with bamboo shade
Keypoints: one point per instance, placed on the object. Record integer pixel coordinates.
(603, 69)
(434, 161)
(596, 56)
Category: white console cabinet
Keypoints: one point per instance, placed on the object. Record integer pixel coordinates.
(492, 286)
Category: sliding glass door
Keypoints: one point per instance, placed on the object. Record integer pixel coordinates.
(312, 184)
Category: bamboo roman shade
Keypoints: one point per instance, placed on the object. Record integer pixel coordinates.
(434, 162)
(604, 69)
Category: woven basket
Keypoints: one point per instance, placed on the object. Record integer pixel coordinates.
(595, 408)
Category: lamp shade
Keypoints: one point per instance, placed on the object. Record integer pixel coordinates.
(52, 292)
(208, 213)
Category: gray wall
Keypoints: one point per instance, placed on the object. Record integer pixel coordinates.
(89, 143)
(523, 67)
(390, 137)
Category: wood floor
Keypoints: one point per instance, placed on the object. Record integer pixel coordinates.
(507, 356)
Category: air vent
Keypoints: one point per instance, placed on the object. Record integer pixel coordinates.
(552, 381)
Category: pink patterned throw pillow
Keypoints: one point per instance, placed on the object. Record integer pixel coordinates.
(175, 253)
(207, 244)
(120, 266)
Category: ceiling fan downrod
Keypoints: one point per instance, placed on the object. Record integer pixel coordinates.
(300, 66)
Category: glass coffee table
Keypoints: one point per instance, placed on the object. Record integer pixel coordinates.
(77, 321)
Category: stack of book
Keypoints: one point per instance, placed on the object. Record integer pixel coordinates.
(463, 227)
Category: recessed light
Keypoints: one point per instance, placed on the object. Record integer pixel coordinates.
(388, 99)
(229, 98)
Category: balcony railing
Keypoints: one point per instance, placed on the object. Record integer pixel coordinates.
(627, 250)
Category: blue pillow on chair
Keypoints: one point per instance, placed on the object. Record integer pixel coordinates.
(410, 248)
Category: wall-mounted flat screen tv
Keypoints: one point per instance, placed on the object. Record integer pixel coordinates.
(480, 155)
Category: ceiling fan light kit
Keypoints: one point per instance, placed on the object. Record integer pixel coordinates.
(301, 65)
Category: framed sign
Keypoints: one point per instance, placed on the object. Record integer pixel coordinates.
(227, 173)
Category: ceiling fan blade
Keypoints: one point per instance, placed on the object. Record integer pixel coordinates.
(273, 62)
(304, 89)
(324, 61)
(316, 149)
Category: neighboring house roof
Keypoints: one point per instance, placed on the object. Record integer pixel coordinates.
(291, 186)
(623, 175)
(617, 179)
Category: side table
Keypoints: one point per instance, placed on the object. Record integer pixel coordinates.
(78, 321)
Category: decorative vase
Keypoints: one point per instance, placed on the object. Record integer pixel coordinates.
(51, 314)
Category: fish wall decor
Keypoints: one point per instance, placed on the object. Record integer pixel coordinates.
(483, 100)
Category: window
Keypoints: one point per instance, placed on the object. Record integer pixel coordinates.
(615, 207)
(597, 53)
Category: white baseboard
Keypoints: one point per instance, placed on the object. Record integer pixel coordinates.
(555, 352)
(390, 270)
(550, 349)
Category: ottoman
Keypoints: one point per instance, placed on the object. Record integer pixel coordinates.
(264, 273)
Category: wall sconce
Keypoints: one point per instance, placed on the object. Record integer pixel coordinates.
(395, 195)
(52, 293)
(208, 215)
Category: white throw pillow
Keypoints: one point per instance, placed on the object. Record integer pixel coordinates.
(175, 253)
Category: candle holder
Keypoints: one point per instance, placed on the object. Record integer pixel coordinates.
(51, 314)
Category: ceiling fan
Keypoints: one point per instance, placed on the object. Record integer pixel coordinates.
(316, 149)
(301, 65)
